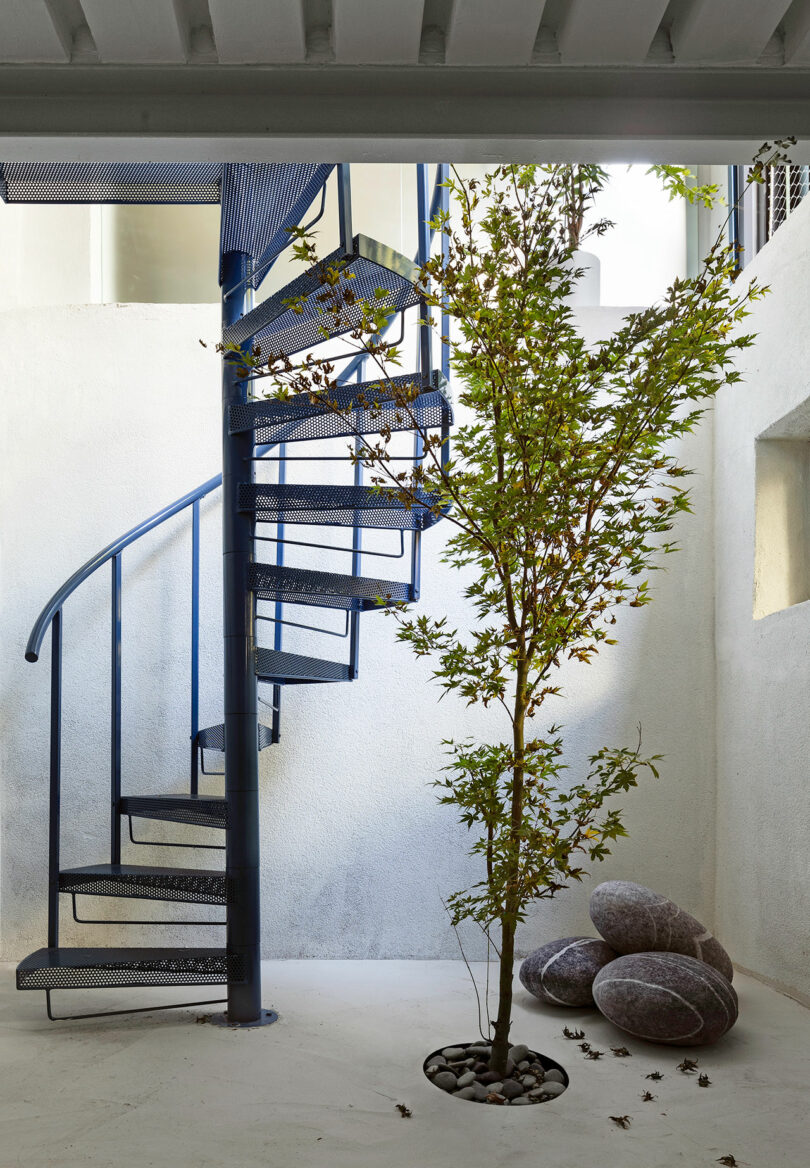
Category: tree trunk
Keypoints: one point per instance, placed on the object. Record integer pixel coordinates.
(500, 1044)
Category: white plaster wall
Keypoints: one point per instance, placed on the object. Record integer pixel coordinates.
(357, 854)
(763, 666)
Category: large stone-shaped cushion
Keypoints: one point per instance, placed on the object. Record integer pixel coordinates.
(634, 919)
(666, 997)
(562, 972)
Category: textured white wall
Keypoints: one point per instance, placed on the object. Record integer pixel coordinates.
(116, 418)
(763, 666)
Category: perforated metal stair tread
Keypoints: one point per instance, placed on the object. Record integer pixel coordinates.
(299, 419)
(199, 810)
(190, 885)
(110, 182)
(90, 968)
(292, 669)
(213, 737)
(369, 266)
(330, 506)
(324, 589)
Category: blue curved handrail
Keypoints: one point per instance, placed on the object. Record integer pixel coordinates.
(112, 549)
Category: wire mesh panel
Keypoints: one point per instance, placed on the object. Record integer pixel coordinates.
(370, 266)
(110, 182)
(785, 187)
(260, 201)
(90, 968)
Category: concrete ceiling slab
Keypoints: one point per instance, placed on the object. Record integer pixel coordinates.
(250, 31)
(481, 32)
(725, 30)
(135, 31)
(385, 32)
(608, 31)
(797, 33)
(27, 32)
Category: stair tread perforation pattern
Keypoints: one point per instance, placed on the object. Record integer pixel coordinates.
(275, 327)
(145, 882)
(336, 506)
(66, 968)
(197, 810)
(291, 668)
(299, 419)
(213, 737)
(110, 182)
(324, 589)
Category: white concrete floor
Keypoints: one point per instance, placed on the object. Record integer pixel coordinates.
(319, 1088)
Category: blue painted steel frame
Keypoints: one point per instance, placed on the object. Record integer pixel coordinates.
(241, 716)
(195, 644)
(55, 780)
(240, 688)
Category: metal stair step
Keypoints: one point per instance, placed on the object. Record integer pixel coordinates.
(213, 737)
(300, 419)
(199, 810)
(110, 182)
(324, 589)
(292, 669)
(368, 266)
(190, 885)
(49, 969)
(331, 506)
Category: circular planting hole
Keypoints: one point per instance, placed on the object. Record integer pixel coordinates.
(462, 1070)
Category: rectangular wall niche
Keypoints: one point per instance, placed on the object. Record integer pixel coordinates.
(782, 539)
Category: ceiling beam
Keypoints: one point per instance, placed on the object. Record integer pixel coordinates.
(216, 112)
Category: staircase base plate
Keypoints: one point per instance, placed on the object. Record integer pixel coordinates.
(266, 1018)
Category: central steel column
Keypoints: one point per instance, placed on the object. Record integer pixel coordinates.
(241, 700)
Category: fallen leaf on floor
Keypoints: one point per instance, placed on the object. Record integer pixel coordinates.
(404, 1111)
(621, 1120)
(687, 1067)
(728, 1160)
(648, 1097)
(704, 1081)
(621, 1052)
(575, 1034)
(655, 1075)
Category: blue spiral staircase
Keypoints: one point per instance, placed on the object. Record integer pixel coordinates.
(259, 204)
